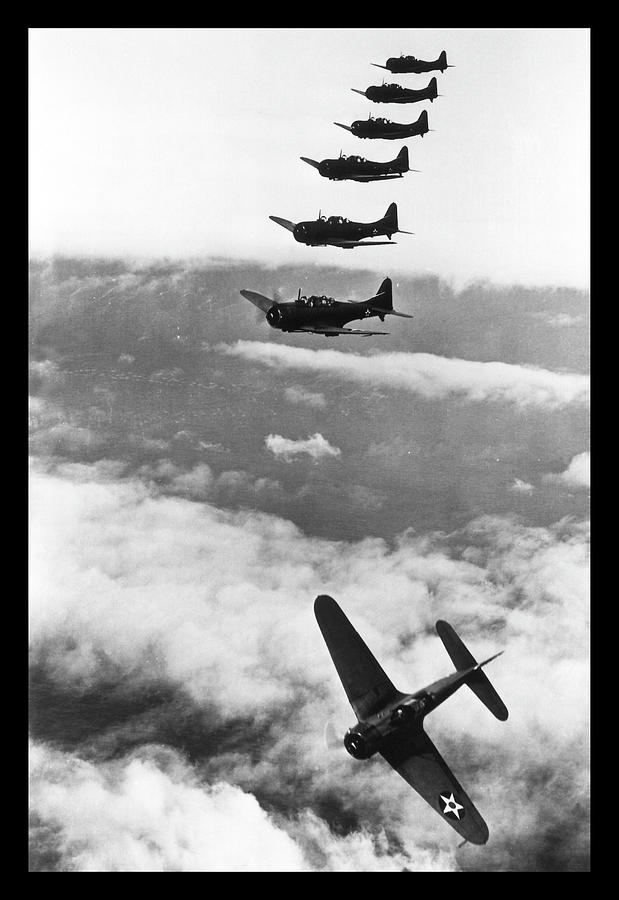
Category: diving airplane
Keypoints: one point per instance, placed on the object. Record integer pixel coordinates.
(390, 131)
(339, 232)
(324, 315)
(355, 168)
(395, 93)
(391, 723)
(409, 64)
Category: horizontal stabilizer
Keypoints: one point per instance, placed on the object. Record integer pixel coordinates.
(258, 300)
(311, 162)
(283, 222)
(394, 312)
(477, 680)
(345, 127)
(378, 66)
(358, 91)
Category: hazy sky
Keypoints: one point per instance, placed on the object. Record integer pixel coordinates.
(181, 142)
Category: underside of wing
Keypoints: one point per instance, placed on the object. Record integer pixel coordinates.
(418, 761)
(285, 223)
(367, 686)
(350, 244)
(328, 329)
(381, 177)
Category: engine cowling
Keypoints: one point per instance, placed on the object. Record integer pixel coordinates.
(362, 741)
(275, 317)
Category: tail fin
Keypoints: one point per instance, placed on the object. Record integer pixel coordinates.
(433, 86)
(384, 296)
(442, 60)
(402, 158)
(391, 216)
(477, 681)
(422, 121)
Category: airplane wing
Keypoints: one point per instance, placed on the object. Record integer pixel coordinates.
(258, 300)
(419, 763)
(374, 177)
(350, 244)
(330, 329)
(285, 223)
(367, 686)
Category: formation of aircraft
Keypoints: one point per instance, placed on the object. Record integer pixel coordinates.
(336, 231)
(409, 64)
(391, 723)
(395, 93)
(355, 168)
(389, 131)
(324, 315)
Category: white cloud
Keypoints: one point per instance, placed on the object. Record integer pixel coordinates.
(521, 487)
(315, 446)
(151, 813)
(299, 395)
(577, 475)
(427, 375)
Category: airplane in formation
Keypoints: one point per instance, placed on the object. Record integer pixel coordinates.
(409, 64)
(395, 93)
(339, 232)
(391, 723)
(324, 315)
(390, 131)
(355, 168)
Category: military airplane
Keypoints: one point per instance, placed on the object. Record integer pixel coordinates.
(324, 315)
(395, 93)
(339, 232)
(391, 723)
(355, 168)
(390, 131)
(409, 64)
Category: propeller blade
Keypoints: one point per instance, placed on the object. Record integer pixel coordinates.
(311, 162)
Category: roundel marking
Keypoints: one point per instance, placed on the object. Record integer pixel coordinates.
(450, 806)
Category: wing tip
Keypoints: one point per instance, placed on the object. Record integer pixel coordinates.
(322, 601)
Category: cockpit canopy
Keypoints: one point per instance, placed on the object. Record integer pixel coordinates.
(336, 220)
(315, 301)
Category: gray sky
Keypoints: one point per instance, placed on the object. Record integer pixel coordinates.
(181, 142)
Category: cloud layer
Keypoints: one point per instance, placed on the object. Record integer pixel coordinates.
(428, 376)
(129, 587)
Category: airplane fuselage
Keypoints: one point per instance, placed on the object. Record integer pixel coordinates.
(408, 65)
(318, 312)
(393, 93)
(406, 712)
(383, 128)
(323, 232)
(365, 170)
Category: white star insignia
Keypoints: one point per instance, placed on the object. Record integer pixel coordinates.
(451, 805)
